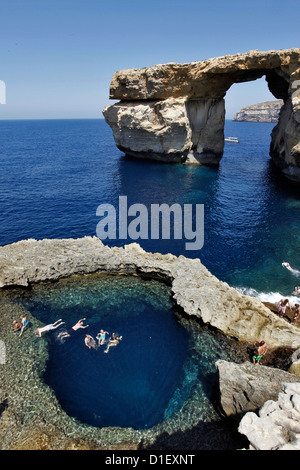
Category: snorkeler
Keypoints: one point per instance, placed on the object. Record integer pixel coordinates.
(90, 342)
(70, 331)
(101, 337)
(288, 266)
(113, 342)
(51, 326)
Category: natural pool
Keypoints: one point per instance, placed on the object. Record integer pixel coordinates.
(162, 371)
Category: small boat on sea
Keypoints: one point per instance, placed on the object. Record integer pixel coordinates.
(234, 140)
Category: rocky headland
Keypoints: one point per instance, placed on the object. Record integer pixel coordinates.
(261, 112)
(176, 112)
(31, 415)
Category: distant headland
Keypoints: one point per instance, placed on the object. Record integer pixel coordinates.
(268, 111)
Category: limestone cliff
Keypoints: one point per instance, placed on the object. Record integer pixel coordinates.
(176, 112)
(261, 112)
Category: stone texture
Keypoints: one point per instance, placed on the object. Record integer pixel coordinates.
(171, 130)
(261, 112)
(194, 288)
(277, 425)
(210, 78)
(285, 144)
(175, 112)
(246, 387)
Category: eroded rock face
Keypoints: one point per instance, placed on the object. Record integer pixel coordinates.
(277, 425)
(246, 387)
(194, 288)
(260, 112)
(172, 130)
(175, 112)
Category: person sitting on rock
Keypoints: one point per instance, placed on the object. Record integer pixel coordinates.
(16, 326)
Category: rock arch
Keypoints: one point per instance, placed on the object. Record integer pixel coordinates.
(176, 112)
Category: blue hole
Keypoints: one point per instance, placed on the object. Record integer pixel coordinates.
(132, 384)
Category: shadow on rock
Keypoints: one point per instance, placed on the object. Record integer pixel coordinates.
(219, 435)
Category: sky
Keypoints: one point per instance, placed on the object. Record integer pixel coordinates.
(57, 57)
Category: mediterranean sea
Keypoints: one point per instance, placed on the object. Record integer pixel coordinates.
(55, 173)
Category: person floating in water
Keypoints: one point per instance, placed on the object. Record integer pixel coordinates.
(77, 326)
(90, 342)
(51, 326)
(288, 266)
(259, 351)
(101, 337)
(113, 342)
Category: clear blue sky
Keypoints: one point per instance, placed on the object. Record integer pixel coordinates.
(57, 57)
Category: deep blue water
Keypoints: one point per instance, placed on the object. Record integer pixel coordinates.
(127, 386)
(53, 176)
(55, 173)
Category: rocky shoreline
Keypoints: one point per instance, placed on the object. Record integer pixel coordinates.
(31, 415)
(260, 112)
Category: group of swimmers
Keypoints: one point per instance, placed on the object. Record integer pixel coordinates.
(101, 337)
(88, 341)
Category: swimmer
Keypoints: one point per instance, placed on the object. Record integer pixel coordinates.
(77, 326)
(51, 326)
(101, 337)
(90, 342)
(282, 305)
(113, 342)
(296, 290)
(288, 266)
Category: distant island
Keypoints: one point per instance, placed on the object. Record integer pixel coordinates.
(261, 112)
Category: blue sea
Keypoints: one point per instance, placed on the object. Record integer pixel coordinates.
(55, 173)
